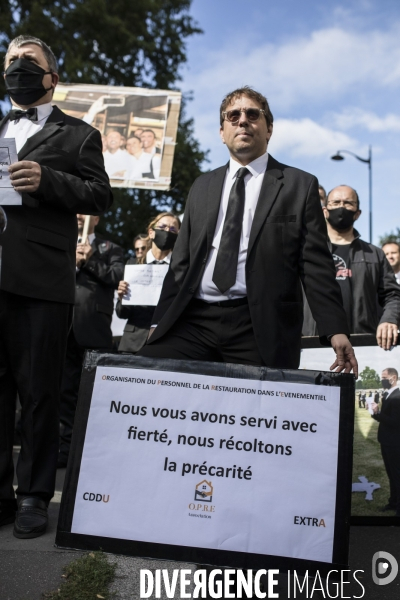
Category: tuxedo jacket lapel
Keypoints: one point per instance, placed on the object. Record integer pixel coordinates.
(269, 190)
(53, 124)
(213, 201)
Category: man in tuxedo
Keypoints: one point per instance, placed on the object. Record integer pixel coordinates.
(388, 417)
(252, 233)
(60, 172)
(99, 269)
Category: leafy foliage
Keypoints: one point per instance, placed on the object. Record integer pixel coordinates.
(393, 236)
(118, 42)
(369, 380)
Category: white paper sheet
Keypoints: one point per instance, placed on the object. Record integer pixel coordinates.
(8, 156)
(145, 283)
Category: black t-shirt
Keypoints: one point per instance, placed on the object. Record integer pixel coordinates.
(341, 259)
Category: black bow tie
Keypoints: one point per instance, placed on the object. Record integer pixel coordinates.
(16, 114)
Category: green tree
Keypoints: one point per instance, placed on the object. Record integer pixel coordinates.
(119, 42)
(393, 236)
(369, 380)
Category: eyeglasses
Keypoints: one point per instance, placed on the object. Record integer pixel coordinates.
(140, 248)
(345, 203)
(166, 227)
(252, 114)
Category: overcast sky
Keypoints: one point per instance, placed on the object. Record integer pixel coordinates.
(331, 73)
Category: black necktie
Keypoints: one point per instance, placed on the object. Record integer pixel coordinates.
(16, 114)
(225, 269)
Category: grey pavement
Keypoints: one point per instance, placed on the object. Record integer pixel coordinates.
(30, 567)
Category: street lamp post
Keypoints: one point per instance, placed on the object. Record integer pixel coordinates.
(338, 156)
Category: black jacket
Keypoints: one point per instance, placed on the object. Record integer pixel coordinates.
(96, 281)
(139, 322)
(389, 420)
(287, 248)
(39, 244)
(375, 291)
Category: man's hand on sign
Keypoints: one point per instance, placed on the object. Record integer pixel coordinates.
(386, 335)
(123, 288)
(25, 176)
(83, 253)
(345, 358)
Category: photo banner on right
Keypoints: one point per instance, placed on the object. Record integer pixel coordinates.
(374, 452)
(138, 127)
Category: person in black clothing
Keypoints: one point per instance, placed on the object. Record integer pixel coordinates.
(99, 268)
(60, 172)
(371, 295)
(388, 417)
(141, 245)
(163, 232)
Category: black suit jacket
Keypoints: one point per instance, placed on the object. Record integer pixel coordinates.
(96, 281)
(287, 247)
(389, 420)
(39, 245)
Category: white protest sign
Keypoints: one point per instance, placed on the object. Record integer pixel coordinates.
(8, 156)
(145, 283)
(210, 462)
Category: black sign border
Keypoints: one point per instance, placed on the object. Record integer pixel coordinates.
(358, 340)
(204, 556)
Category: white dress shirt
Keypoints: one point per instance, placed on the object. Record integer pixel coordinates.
(22, 129)
(116, 162)
(207, 289)
(151, 259)
(396, 387)
(397, 275)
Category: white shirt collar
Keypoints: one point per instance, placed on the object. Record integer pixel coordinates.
(256, 167)
(150, 258)
(43, 111)
(396, 387)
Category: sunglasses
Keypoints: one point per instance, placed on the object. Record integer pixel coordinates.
(140, 248)
(163, 227)
(252, 114)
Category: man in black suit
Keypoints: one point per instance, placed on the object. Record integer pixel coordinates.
(388, 417)
(60, 173)
(99, 268)
(252, 233)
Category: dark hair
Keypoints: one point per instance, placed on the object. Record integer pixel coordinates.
(395, 243)
(390, 371)
(134, 137)
(250, 93)
(149, 131)
(22, 40)
(345, 185)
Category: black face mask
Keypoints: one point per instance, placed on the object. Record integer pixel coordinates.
(24, 82)
(341, 218)
(165, 240)
(385, 384)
